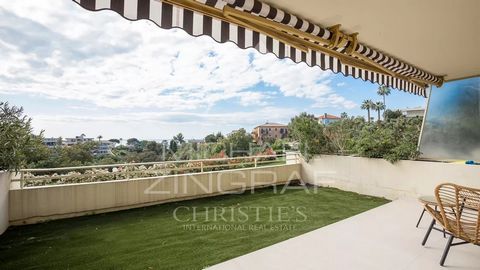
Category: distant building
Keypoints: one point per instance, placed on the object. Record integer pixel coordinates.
(52, 142)
(413, 112)
(78, 139)
(326, 119)
(269, 131)
(104, 148)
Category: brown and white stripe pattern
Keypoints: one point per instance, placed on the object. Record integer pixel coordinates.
(266, 11)
(168, 16)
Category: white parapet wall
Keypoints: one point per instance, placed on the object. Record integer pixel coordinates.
(378, 177)
(4, 189)
(36, 204)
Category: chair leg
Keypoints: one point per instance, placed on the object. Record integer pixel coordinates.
(428, 232)
(421, 216)
(447, 249)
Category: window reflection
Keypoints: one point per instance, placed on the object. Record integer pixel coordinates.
(452, 125)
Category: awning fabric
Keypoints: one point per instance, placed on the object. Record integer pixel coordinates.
(169, 14)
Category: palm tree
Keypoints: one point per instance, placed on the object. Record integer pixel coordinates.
(179, 138)
(383, 91)
(99, 137)
(367, 105)
(378, 106)
(344, 115)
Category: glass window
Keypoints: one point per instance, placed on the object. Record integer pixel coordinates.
(452, 126)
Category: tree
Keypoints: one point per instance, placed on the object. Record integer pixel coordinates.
(238, 143)
(77, 155)
(186, 152)
(151, 146)
(378, 106)
(133, 141)
(210, 138)
(219, 136)
(173, 146)
(99, 137)
(114, 141)
(279, 146)
(392, 140)
(306, 130)
(383, 91)
(17, 143)
(367, 105)
(179, 138)
(59, 141)
(341, 133)
(389, 114)
(343, 115)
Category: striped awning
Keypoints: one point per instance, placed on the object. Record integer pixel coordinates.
(253, 24)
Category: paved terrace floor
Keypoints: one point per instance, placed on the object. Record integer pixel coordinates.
(382, 238)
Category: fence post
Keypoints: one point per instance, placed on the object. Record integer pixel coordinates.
(21, 179)
(255, 161)
(201, 166)
(127, 172)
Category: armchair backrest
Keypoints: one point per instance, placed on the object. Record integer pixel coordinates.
(460, 208)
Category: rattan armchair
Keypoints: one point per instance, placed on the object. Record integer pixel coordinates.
(458, 213)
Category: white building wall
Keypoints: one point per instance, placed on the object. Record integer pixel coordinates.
(4, 200)
(378, 177)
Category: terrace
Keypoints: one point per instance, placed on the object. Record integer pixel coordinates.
(382, 238)
(310, 223)
(132, 216)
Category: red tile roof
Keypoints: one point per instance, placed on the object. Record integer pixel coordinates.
(272, 125)
(328, 116)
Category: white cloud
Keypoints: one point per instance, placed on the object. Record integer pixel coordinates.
(336, 101)
(158, 125)
(340, 84)
(235, 118)
(254, 98)
(61, 51)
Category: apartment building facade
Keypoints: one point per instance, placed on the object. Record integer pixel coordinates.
(269, 132)
(327, 119)
(413, 112)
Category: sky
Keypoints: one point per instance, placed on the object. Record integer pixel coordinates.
(75, 71)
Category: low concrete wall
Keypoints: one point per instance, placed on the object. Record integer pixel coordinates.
(4, 188)
(379, 177)
(35, 204)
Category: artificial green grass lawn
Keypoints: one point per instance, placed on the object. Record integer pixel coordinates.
(151, 238)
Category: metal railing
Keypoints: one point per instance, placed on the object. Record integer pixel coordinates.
(130, 171)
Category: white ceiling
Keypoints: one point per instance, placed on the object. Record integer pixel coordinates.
(439, 36)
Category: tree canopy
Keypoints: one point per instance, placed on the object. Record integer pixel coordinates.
(392, 139)
(305, 129)
(18, 145)
(238, 143)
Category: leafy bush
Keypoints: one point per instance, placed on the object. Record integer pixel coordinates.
(305, 129)
(342, 134)
(18, 146)
(389, 114)
(393, 139)
(238, 143)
